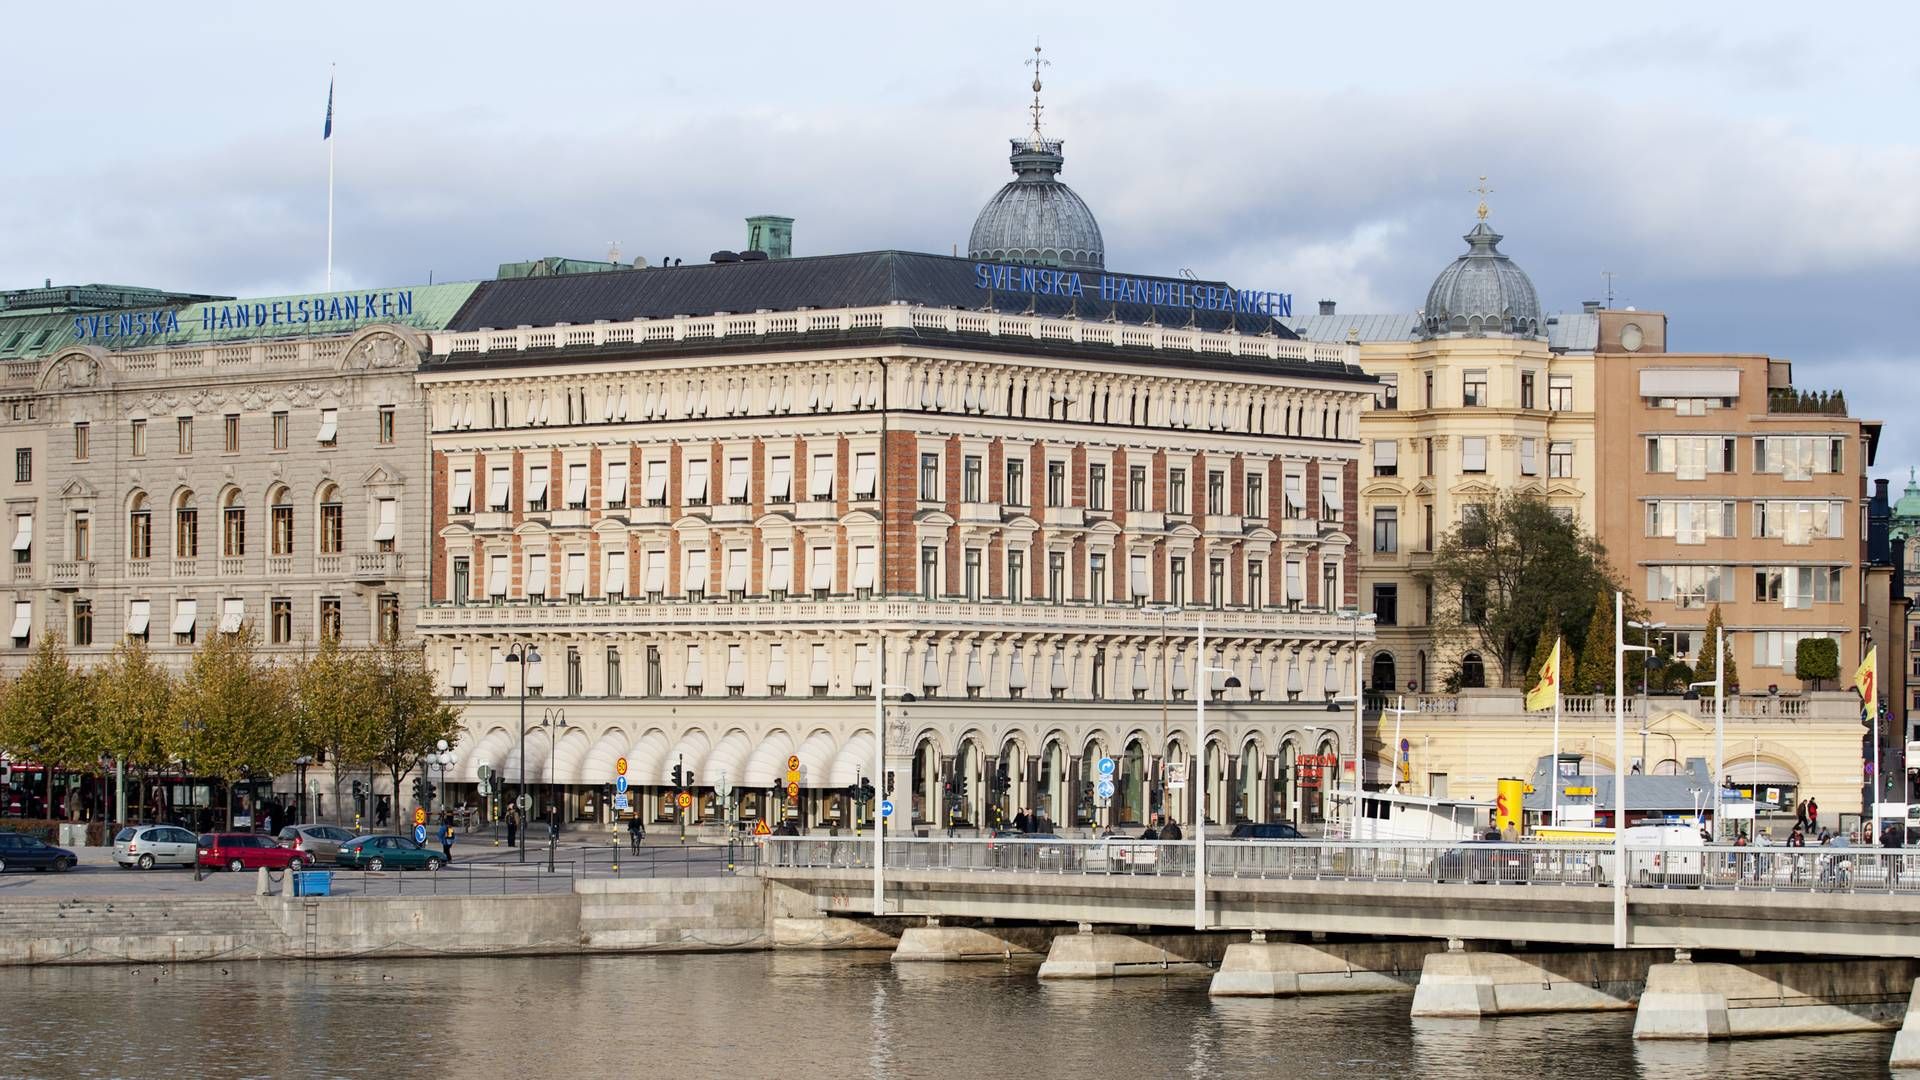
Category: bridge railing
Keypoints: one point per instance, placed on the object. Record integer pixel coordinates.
(1773, 869)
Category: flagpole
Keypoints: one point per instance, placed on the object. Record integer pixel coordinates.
(330, 177)
(1553, 771)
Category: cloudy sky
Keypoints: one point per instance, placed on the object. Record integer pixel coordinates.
(1752, 169)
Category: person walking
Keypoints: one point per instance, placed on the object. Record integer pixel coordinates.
(1813, 815)
(513, 825)
(636, 832)
(446, 836)
(1169, 829)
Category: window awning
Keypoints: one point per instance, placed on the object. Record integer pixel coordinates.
(536, 483)
(817, 669)
(616, 483)
(497, 576)
(768, 764)
(976, 669)
(780, 480)
(736, 570)
(457, 674)
(854, 760)
(576, 485)
(22, 618)
(696, 668)
(1142, 583)
(537, 573)
(614, 583)
(576, 573)
(820, 570)
(866, 475)
(820, 485)
(329, 426)
(139, 615)
(863, 567)
(497, 670)
(930, 668)
(776, 665)
(696, 482)
(536, 673)
(737, 479)
(499, 487)
(388, 523)
(23, 533)
(185, 614)
(1140, 681)
(462, 499)
(1017, 670)
(1059, 679)
(233, 612)
(656, 481)
(736, 667)
(696, 576)
(780, 569)
(863, 665)
(656, 572)
(1386, 452)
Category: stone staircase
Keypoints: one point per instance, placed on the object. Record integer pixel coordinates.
(110, 930)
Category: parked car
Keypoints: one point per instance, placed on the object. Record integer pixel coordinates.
(319, 841)
(387, 853)
(24, 852)
(245, 851)
(1265, 830)
(148, 846)
(1482, 862)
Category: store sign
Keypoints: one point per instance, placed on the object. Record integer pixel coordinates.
(324, 309)
(1120, 289)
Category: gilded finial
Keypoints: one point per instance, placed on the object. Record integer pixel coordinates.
(1483, 191)
(1036, 64)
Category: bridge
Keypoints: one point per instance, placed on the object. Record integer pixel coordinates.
(1721, 941)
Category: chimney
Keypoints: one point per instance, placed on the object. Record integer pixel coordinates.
(772, 234)
(1590, 307)
(1326, 307)
(1879, 518)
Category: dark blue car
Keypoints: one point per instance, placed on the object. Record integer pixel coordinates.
(19, 852)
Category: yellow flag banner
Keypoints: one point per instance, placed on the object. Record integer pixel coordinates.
(1543, 693)
(1866, 679)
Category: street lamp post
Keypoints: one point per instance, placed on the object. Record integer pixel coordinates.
(299, 797)
(1166, 692)
(1359, 708)
(1620, 651)
(1719, 684)
(880, 688)
(443, 757)
(523, 653)
(552, 720)
(1202, 686)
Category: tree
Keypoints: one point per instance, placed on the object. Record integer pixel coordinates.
(45, 714)
(1729, 672)
(1510, 569)
(235, 712)
(1596, 657)
(133, 710)
(1817, 660)
(337, 696)
(409, 716)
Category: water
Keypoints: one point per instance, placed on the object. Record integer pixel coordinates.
(840, 1015)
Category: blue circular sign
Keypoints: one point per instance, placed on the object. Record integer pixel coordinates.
(419, 834)
(886, 808)
(1105, 789)
(620, 785)
(1106, 766)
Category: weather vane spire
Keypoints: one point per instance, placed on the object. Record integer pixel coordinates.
(1036, 64)
(1483, 191)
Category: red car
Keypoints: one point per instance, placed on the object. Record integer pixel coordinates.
(244, 851)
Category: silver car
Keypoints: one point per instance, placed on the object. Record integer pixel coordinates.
(320, 842)
(148, 846)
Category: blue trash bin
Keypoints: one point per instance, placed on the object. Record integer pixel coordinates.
(313, 883)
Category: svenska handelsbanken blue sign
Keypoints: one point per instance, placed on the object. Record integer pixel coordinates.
(289, 312)
(1120, 289)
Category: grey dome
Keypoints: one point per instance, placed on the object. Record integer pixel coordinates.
(1036, 219)
(1482, 293)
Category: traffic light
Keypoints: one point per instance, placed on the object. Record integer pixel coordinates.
(677, 771)
(689, 778)
(1002, 781)
(866, 792)
(960, 784)
(419, 790)
(358, 789)
(889, 783)
(853, 792)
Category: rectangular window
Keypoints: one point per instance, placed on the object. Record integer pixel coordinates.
(330, 622)
(333, 532)
(1296, 572)
(460, 493)
(1096, 487)
(1293, 492)
(1016, 482)
(739, 480)
(695, 491)
(139, 444)
(82, 535)
(1386, 457)
(1177, 581)
(186, 621)
(576, 492)
(23, 466)
(820, 481)
(971, 576)
(1691, 587)
(866, 475)
(388, 613)
(1097, 578)
(279, 431)
(83, 622)
(140, 534)
(614, 488)
(1473, 388)
(462, 581)
(1016, 575)
(971, 482)
(499, 488)
(1386, 530)
(1798, 457)
(386, 524)
(1256, 584)
(575, 583)
(329, 433)
(1473, 454)
(656, 680)
(929, 477)
(230, 432)
(1426, 530)
(81, 440)
(1216, 583)
(1560, 460)
(1428, 443)
(1386, 604)
(614, 688)
(139, 618)
(280, 620)
(576, 681)
(929, 572)
(1692, 457)
(536, 492)
(1057, 576)
(186, 533)
(536, 575)
(384, 432)
(1560, 393)
(1056, 483)
(693, 576)
(1529, 456)
(1387, 395)
(1177, 492)
(1526, 389)
(1257, 495)
(1332, 508)
(1136, 487)
(233, 531)
(1216, 492)
(656, 493)
(183, 431)
(1427, 400)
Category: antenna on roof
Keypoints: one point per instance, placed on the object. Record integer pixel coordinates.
(1036, 64)
(1609, 275)
(613, 251)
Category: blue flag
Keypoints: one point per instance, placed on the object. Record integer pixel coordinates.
(327, 132)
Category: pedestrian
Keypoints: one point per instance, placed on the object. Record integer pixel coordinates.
(1020, 820)
(513, 825)
(446, 836)
(380, 810)
(636, 831)
(1169, 829)
(269, 823)
(1800, 815)
(553, 826)
(1813, 813)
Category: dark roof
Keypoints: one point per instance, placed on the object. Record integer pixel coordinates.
(868, 279)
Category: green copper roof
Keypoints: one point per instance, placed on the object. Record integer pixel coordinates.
(1906, 512)
(427, 307)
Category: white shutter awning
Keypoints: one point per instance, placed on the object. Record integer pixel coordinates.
(737, 473)
(930, 668)
(696, 667)
(780, 480)
(616, 485)
(863, 665)
(497, 669)
(329, 426)
(576, 485)
(139, 616)
(776, 665)
(497, 575)
(696, 481)
(863, 567)
(696, 576)
(817, 673)
(23, 535)
(820, 569)
(866, 475)
(614, 582)
(780, 569)
(1386, 452)
(1017, 670)
(537, 573)
(976, 670)
(1690, 383)
(457, 672)
(233, 612)
(656, 481)
(536, 483)
(22, 618)
(462, 498)
(185, 614)
(656, 572)
(736, 570)
(1058, 678)
(576, 573)
(820, 486)
(736, 665)
(387, 525)
(499, 487)
(1142, 583)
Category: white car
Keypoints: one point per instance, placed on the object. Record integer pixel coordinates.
(148, 846)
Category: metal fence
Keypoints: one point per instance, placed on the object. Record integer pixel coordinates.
(472, 879)
(1772, 869)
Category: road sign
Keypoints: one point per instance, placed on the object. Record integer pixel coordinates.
(1104, 789)
(620, 801)
(620, 767)
(524, 802)
(886, 808)
(1106, 766)
(793, 790)
(419, 815)
(1176, 774)
(419, 834)
(793, 763)
(620, 784)
(685, 800)
(761, 828)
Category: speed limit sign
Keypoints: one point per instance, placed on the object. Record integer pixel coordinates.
(685, 800)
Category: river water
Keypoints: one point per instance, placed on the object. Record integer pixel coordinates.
(840, 1015)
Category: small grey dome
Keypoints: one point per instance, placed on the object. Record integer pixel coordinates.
(1482, 293)
(1036, 219)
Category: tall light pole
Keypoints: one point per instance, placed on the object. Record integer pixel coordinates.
(522, 653)
(1202, 686)
(1719, 684)
(1166, 692)
(551, 721)
(880, 688)
(1620, 651)
(1359, 708)
(443, 757)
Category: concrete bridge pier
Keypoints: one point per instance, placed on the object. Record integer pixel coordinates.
(1906, 1045)
(1285, 968)
(1105, 952)
(1687, 1000)
(986, 941)
(1458, 983)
